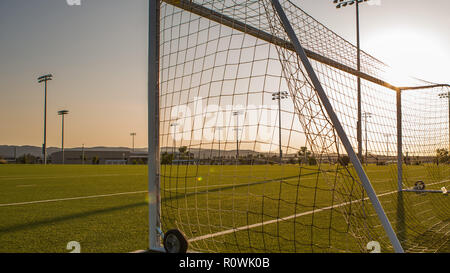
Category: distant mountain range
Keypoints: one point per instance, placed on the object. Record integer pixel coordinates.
(7, 151)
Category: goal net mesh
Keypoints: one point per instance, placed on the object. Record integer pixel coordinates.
(251, 162)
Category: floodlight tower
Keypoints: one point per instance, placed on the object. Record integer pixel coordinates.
(132, 136)
(341, 4)
(220, 132)
(447, 96)
(366, 116)
(45, 79)
(387, 144)
(174, 126)
(82, 154)
(237, 114)
(62, 113)
(280, 96)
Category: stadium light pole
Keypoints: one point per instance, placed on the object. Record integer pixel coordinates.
(366, 117)
(82, 154)
(237, 114)
(220, 131)
(280, 96)
(447, 96)
(45, 79)
(340, 4)
(132, 136)
(174, 126)
(62, 113)
(387, 144)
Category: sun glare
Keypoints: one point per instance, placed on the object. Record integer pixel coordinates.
(412, 52)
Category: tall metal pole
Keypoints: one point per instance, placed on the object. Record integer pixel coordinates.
(338, 127)
(45, 79)
(279, 128)
(387, 145)
(279, 96)
(153, 127)
(340, 4)
(132, 136)
(82, 155)
(446, 95)
(358, 60)
(237, 137)
(62, 113)
(220, 130)
(174, 125)
(44, 148)
(367, 148)
(62, 140)
(399, 142)
(237, 113)
(400, 200)
(366, 116)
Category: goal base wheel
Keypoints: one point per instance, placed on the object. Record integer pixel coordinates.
(175, 242)
(419, 186)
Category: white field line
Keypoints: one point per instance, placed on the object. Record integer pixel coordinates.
(225, 232)
(5, 178)
(71, 198)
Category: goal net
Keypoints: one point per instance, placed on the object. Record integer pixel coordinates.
(252, 161)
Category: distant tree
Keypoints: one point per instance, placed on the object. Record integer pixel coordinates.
(312, 161)
(304, 156)
(344, 161)
(27, 159)
(442, 156)
(166, 159)
(95, 160)
(182, 150)
(81, 158)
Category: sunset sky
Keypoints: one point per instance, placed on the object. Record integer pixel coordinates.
(97, 53)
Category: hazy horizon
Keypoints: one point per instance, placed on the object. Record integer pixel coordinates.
(97, 53)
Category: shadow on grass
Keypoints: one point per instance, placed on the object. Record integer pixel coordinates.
(68, 217)
(435, 240)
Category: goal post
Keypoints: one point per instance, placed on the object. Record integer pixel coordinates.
(252, 136)
(153, 128)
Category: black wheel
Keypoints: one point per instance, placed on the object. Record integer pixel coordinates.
(175, 241)
(419, 185)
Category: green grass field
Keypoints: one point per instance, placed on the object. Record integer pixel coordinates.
(100, 224)
(104, 208)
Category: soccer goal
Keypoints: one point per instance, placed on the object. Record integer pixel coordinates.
(253, 137)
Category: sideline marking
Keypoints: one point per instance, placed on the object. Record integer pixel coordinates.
(5, 178)
(71, 198)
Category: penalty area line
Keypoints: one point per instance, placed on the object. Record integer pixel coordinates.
(71, 198)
